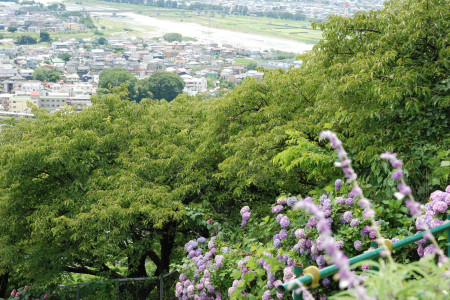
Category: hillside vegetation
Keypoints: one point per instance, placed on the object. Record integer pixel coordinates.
(118, 189)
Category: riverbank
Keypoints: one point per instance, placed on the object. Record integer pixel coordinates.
(300, 31)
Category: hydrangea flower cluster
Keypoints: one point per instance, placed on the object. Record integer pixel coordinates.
(200, 285)
(435, 210)
(304, 237)
(439, 203)
(346, 277)
(245, 213)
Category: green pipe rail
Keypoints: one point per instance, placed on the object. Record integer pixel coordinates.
(331, 270)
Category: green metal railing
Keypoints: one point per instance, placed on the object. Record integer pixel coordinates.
(307, 279)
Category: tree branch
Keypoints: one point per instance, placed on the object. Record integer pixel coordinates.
(84, 270)
(364, 30)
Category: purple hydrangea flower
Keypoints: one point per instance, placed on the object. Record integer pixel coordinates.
(367, 229)
(266, 295)
(291, 201)
(354, 222)
(429, 250)
(372, 234)
(246, 216)
(440, 207)
(281, 201)
(357, 244)
(244, 210)
(308, 243)
(284, 221)
(300, 233)
(347, 216)
(394, 240)
(201, 239)
(337, 184)
(283, 234)
(349, 201)
(302, 243)
(435, 223)
(277, 209)
(339, 200)
(326, 282)
(279, 218)
(437, 195)
(277, 243)
(320, 260)
(352, 195)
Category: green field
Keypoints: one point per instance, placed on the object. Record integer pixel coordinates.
(111, 28)
(288, 29)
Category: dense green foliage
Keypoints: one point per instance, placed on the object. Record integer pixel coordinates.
(12, 29)
(424, 279)
(161, 85)
(114, 77)
(102, 41)
(65, 57)
(98, 192)
(25, 39)
(102, 191)
(172, 37)
(44, 36)
(46, 75)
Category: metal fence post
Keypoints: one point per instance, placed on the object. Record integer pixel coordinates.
(78, 291)
(161, 288)
(117, 290)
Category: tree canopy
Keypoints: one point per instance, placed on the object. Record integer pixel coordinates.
(172, 37)
(26, 40)
(161, 85)
(114, 77)
(44, 36)
(46, 75)
(65, 57)
(99, 192)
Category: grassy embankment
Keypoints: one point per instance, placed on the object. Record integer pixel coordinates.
(294, 30)
(111, 28)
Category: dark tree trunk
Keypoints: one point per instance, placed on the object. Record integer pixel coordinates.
(3, 284)
(167, 243)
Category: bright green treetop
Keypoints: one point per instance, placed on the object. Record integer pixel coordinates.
(161, 85)
(46, 75)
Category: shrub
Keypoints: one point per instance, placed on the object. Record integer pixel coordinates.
(250, 262)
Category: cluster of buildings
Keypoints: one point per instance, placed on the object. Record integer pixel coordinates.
(195, 62)
(311, 9)
(36, 22)
(205, 67)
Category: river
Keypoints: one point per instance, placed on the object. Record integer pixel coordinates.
(159, 27)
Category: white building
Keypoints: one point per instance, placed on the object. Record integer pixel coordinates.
(194, 85)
